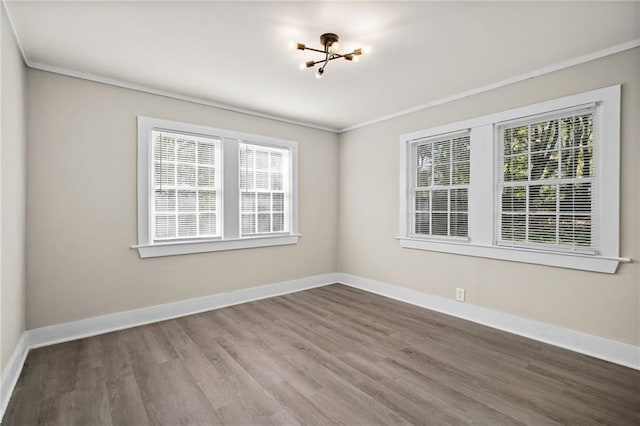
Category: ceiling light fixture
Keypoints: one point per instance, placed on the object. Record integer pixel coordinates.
(330, 43)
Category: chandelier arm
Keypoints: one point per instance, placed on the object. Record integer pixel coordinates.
(315, 50)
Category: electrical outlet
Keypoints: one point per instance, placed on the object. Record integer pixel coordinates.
(460, 294)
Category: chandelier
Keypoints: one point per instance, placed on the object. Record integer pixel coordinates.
(330, 44)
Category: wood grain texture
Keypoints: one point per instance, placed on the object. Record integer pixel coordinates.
(330, 355)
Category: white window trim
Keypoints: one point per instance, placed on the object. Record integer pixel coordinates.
(230, 205)
(482, 188)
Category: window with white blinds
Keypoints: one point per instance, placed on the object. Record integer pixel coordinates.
(202, 189)
(440, 192)
(547, 181)
(264, 189)
(186, 179)
(535, 184)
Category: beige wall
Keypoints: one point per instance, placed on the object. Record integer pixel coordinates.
(598, 304)
(81, 202)
(13, 143)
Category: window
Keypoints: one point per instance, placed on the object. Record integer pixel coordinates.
(537, 184)
(203, 189)
(186, 179)
(546, 179)
(440, 186)
(264, 177)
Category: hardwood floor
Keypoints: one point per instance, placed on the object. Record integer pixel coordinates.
(328, 355)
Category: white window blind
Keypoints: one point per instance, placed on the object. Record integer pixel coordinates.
(264, 189)
(440, 181)
(546, 179)
(186, 181)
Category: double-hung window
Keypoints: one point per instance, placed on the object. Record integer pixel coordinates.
(204, 189)
(537, 184)
(440, 185)
(547, 181)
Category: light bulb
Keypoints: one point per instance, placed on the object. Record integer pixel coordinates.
(356, 58)
(334, 47)
(292, 45)
(366, 49)
(303, 66)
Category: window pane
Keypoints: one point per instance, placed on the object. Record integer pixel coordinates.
(186, 175)
(459, 200)
(248, 223)
(440, 224)
(514, 198)
(278, 222)
(542, 229)
(165, 226)
(544, 165)
(207, 200)
(276, 181)
(264, 202)
(575, 230)
(276, 161)
(262, 160)
(544, 136)
(422, 223)
(461, 173)
(440, 200)
(422, 200)
(206, 176)
(278, 202)
(165, 200)
(246, 179)
(206, 154)
(187, 225)
(207, 224)
(262, 180)
(575, 197)
(165, 173)
(164, 148)
(516, 168)
(516, 140)
(441, 152)
(186, 151)
(264, 222)
(424, 165)
(542, 198)
(461, 149)
(513, 227)
(442, 174)
(248, 202)
(187, 201)
(459, 224)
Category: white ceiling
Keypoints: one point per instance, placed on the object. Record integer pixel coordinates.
(236, 52)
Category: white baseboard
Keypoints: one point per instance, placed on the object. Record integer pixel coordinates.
(58, 333)
(12, 372)
(597, 347)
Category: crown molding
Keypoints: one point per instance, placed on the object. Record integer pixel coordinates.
(632, 44)
(3, 6)
(516, 79)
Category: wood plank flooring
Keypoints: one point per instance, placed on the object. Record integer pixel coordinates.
(331, 355)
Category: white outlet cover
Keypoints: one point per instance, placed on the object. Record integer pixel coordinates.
(460, 293)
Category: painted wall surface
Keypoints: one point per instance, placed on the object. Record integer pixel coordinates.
(598, 304)
(13, 145)
(82, 205)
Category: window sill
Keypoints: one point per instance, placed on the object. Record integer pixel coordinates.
(592, 263)
(190, 247)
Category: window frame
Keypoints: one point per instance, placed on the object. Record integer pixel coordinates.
(483, 192)
(229, 209)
